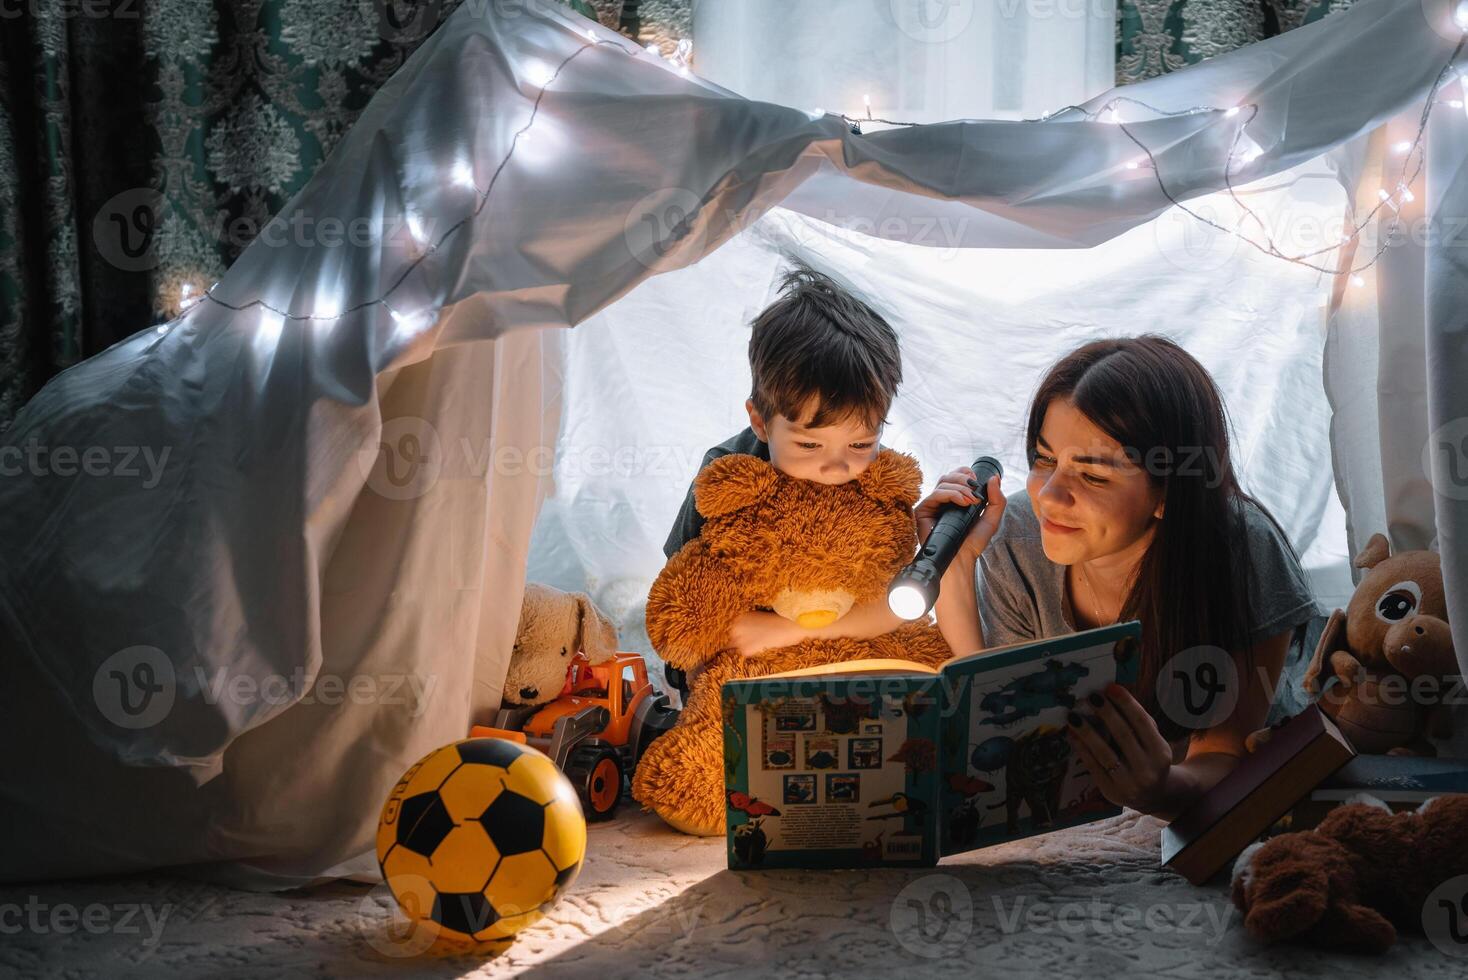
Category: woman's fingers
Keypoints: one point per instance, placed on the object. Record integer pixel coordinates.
(1144, 729)
(1099, 760)
(1087, 737)
(1120, 731)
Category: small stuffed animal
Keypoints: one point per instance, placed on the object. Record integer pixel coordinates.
(1354, 880)
(1382, 666)
(806, 550)
(554, 625)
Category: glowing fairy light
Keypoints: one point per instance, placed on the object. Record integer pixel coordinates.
(1356, 280)
(464, 174)
(539, 74)
(416, 229)
(267, 333)
(408, 324)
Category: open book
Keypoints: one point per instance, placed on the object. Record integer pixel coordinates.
(875, 762)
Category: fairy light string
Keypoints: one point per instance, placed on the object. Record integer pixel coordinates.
(1107, 113)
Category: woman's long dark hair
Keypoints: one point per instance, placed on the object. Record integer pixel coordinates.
(1164, 408)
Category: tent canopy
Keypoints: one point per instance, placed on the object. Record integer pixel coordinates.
(528, 171)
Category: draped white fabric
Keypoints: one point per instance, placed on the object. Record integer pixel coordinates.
(348, 492)
(917, 60)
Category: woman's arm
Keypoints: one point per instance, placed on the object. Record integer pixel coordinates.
(957, 608)
(1133, 764)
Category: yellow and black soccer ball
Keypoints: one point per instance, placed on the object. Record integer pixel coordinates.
(479, 839)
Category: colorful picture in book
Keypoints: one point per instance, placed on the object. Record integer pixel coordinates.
(1026, 696)
(822, 753)
(864, 753)
(780, 752)
(796, 716)
(1020, 775)
(799, 788)
(843, 788)
(843, 716)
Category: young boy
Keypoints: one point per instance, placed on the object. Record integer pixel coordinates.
(825, 368)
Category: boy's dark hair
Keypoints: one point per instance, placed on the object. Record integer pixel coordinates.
(819, 340)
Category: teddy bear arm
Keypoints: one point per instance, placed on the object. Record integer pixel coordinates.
(1344, 665)
(1333, 637)
(691, 607)
(1351, 926)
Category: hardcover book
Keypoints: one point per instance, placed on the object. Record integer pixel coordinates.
(1402, 782)
(887, 762)
(1299, 754)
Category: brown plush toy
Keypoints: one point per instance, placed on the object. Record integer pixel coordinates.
(1354, 880)
(1382, 666)
(806, 550)
(554, 626)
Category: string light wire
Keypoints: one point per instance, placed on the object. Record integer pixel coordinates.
(680, 61)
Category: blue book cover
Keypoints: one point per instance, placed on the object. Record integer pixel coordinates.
(1395, 777)
(884, 762)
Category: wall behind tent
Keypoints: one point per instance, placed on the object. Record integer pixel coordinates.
(660, 376)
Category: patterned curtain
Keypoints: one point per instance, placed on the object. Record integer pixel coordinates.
(141, 150)
(1154, 37)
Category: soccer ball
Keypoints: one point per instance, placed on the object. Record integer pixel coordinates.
(479, 839)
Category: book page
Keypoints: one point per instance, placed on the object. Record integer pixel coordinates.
(1008, 768)
(831, 773)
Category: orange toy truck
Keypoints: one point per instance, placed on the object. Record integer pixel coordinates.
(596, 730)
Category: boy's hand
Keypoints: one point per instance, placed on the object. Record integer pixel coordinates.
(961, 487)
(752, 633)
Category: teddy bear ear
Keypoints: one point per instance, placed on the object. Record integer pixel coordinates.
(1377, 550)
(595, 635)
(732, 483)
(893, 478)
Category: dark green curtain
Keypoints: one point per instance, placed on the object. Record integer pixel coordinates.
(144, 142)
(1154, 37)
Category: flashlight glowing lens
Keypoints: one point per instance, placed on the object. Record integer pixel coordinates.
(907, 602)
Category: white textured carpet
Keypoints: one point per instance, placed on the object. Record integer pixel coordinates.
(1089, 902)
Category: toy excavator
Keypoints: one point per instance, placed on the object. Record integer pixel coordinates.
(596, 729)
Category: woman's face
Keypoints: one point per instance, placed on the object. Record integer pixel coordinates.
(1090, 498)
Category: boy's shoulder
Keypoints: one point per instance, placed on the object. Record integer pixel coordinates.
(745, 442)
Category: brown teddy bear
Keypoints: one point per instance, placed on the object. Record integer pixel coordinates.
(554, 625)
(1357, 878)
(1382, 666)
(806, 550)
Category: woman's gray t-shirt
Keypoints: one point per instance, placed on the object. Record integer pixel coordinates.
(1022, 593)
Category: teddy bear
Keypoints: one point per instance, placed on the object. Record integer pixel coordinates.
(806, 550)
(1358, 877)
(1384, 665)
(554, 625)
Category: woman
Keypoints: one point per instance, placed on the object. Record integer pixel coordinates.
(1131, 510)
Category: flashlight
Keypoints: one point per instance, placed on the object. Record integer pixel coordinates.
(915, 589)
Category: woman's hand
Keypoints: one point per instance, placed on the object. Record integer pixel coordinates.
(961, 487)
(753, 633)
(1128, 757)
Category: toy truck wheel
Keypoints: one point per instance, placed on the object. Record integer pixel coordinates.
(597, 776)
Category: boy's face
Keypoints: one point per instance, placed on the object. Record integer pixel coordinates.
(831, 454)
